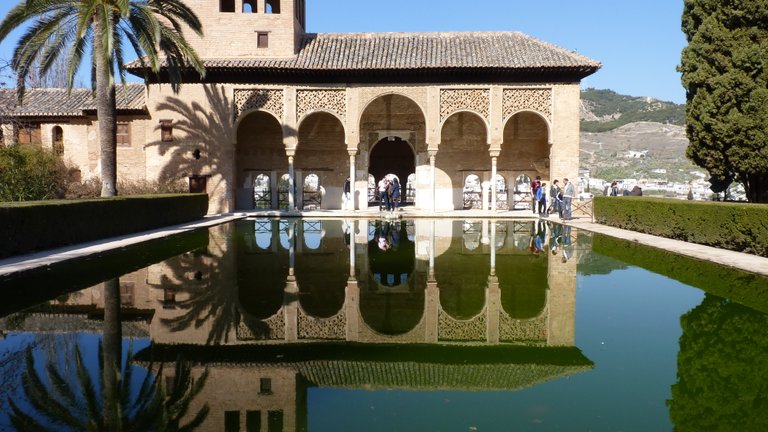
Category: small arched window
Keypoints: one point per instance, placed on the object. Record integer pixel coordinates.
(57, 136)
(249, 6)
(272, 6)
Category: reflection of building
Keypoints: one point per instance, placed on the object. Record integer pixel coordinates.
(274, 308)
(282, 106)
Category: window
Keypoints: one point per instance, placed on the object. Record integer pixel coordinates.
(231, 421)
(123, 134)
(262, 40)
(166, 130)
(57, 136)
(226, 5)
(126, 293)
(253, 421)
(274, 421)
(29, 134)
(265, 386)
(272, 6)
(249, 6)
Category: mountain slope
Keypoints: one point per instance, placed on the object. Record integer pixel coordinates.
(604, 110)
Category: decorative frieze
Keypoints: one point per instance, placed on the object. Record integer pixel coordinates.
(530, 99)
(272, 328)
(331, 100)
(451, 329)
(453, 100)
(270, 100)
(333, 328)
(518, 330)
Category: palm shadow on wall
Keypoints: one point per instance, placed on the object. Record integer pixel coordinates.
(204, 133)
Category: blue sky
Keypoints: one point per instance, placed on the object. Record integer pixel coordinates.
(638, 42)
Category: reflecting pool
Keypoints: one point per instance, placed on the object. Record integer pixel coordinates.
(385, 325)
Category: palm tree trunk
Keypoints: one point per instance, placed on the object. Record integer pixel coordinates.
(112, 352)
(106, 112)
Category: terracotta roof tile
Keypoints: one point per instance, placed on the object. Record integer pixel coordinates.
(51, 102)
(393, 51)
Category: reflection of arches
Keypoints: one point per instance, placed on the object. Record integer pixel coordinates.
(523, 284)
(392, 298)
(249, 6)
(322, 275)
(260, 276)
(473, 192)
(57, 136)
(462, 277)
(272, 6)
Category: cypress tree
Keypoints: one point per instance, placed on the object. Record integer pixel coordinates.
(725, 73)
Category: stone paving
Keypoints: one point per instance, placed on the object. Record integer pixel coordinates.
(743, 261)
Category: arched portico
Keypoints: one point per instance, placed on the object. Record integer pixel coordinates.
(393, 141)
(321, 151)
(463, 152)
(259, 152)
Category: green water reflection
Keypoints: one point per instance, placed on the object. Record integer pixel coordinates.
(264, 312)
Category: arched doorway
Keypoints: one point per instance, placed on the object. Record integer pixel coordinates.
(393, 128)
(260, 150)
(392, 155)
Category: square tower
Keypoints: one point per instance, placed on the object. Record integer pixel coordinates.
(248, 28)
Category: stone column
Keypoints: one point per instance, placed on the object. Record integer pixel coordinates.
(494, 185)
(351, 202)
(291, 185)
(432, 154)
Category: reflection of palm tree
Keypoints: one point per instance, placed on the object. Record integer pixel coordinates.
(57, 406)
(153, 407)
(215, 303)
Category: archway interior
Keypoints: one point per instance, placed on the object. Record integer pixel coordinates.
(392, 155)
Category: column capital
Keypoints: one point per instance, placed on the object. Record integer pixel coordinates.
(352, 151)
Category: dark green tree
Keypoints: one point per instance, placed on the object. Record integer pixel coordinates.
(152, 28)
(725, 72)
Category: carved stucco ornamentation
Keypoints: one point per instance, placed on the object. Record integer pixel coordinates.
(517, 330)
(533, 99)
(270, 100)
(329, 100)
(451, 329)
(334, 327)
(453, 100)
(272, 328)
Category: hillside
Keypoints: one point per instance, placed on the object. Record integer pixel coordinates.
(604, 110)
(633, 137)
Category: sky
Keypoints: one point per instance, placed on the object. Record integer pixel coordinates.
(638, 42)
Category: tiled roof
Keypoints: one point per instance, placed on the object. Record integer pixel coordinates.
(51, 102)
(408, 51)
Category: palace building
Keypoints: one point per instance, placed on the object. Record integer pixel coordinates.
(283, 117)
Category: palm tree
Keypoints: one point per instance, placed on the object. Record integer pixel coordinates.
(152, 28)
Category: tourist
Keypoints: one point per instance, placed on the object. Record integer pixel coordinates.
(554, 193)
(535, 185)
(615, 189)
(382, 188)
(569, 191)
(395, 199)
(541, 194)
(347, 199)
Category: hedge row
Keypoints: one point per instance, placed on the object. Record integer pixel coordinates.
(38, 225)
(746, 288)
(735, 226)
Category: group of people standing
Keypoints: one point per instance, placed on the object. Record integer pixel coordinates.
(561, 198)
(389, 193)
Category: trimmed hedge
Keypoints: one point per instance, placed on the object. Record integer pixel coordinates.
(735, 226)
(38, 225)
(745, 288)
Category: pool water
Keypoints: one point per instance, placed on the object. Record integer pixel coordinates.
(386, 325)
